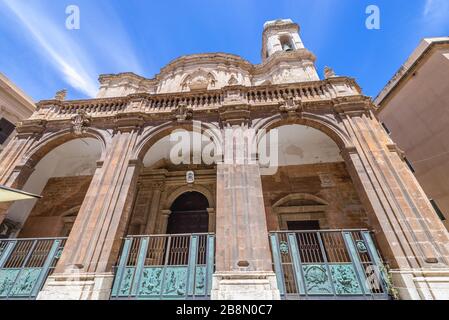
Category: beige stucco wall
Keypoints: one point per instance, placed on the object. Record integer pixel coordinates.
(417, 114)
(15, 105)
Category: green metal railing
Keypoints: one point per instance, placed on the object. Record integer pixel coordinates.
(341, 264)
(165, 267)
(25, 264)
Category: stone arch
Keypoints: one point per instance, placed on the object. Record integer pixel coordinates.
(176, 194)
(52, 140)
(151, 135)
(299, 196)
(48, 142)
(193, 188)
(321, 123)
(314, 208)
(57, 155)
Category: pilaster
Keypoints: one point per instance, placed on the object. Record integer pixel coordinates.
(85, 268)
(411, 237)
(243, 258)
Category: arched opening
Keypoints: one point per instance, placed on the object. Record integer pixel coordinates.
(62, 177)
(309, 162)
(286, 43)
(177, 177)
(189, 214)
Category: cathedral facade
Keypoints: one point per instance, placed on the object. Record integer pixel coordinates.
(218, 179)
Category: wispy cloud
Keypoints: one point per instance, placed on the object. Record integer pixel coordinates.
(435, 14)
(74, 57)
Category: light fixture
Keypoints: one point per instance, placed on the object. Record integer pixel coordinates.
(9, 194)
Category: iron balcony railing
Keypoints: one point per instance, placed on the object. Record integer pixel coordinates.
(25, 264)
(165, 267)
(341, 264)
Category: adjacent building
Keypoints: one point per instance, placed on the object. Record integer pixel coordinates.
(133, 208)
(414, 109)
(15, 106)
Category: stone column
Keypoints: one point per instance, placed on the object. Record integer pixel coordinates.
(84, 271)
(243, 257)
(152, 213)
(163, 223)
(13, 172)
(212, 220)
(411, 237)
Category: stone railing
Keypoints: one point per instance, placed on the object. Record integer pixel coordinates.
(161, 103)
(206, 100)
(305, 92)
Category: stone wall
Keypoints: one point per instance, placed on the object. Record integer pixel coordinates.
(61, 199)
(158, 189)
(330, 182)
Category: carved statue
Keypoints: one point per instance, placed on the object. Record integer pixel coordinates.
(290, 105)
(183, 113)
(80, 122)
(61, 95)
(329, 73)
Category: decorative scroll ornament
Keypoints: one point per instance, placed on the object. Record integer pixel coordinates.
(283, 248)
(199, 80)
(291, 106)
(361, 246)
(7, 229)
(80, 122)
(183, 113)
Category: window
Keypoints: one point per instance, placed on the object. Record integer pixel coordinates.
(437, 209)
(409, 165)
(386, 128)
(6, 128)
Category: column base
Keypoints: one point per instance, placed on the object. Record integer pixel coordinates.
(422, 284)
(245, 286)
(77, 287)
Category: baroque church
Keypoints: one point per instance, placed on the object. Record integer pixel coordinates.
(338, 215)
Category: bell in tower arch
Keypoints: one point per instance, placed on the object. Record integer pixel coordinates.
(287, 47)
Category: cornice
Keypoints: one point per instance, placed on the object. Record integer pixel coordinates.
(227, 104)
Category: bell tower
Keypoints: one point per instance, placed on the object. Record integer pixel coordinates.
(280, 35)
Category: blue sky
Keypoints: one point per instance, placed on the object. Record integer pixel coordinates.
(39, 54)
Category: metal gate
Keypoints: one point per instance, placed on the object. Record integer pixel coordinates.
(25, 265)
(165, 267)
(327, 265)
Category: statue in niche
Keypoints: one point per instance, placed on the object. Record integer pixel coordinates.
(233, 81)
